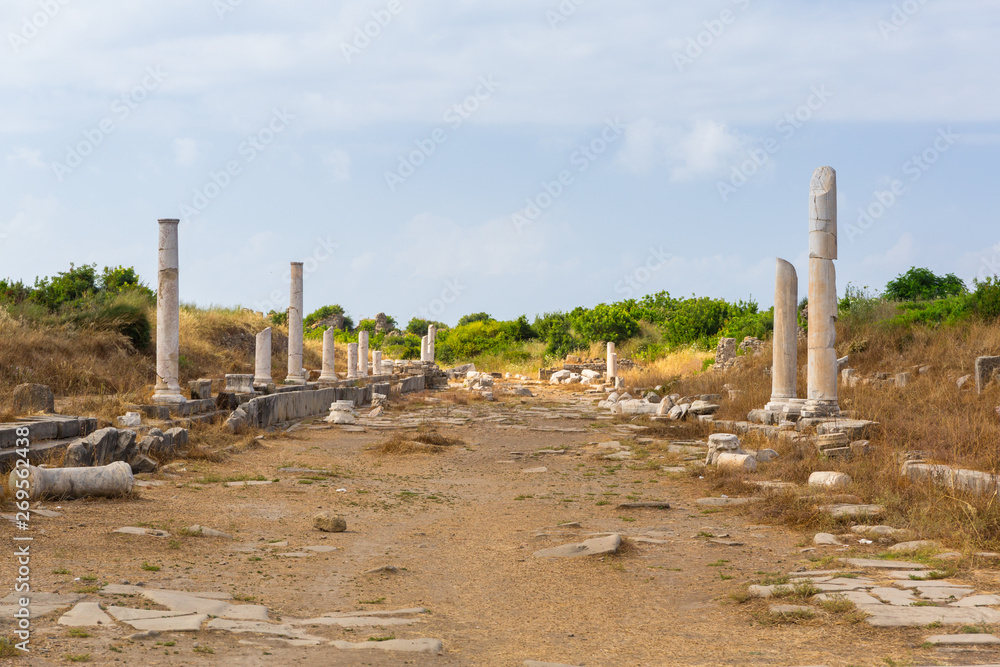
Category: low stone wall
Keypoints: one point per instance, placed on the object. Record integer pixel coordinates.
(48, 427)
(286, 406)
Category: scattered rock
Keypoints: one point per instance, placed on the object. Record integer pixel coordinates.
(826, 540)
(913, 547)
(132, 530)
(130, 420)
(330, 524)
(202, 531)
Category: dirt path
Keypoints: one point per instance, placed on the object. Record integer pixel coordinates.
(460, 527)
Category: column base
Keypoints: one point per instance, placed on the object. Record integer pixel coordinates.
(169, 396)
(295, 380)
(327, 378)
(263, 382)
(817, 408)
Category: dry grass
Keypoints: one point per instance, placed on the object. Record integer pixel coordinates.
(668, 370)
(100, 372)
(400, 444)
(929, 415)
(70, 362)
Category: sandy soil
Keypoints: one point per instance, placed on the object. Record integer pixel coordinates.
(461, 526)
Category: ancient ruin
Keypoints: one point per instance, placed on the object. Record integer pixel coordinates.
(821, 399)
(295, 332)
(168, 388)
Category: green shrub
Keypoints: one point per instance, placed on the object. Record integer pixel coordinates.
(985, 300)
(923, 285)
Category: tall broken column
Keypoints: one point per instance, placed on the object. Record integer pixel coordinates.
(432, 332)
(328, 374)
(168, 314)
(352, 360)
(612, 358)
(363, 353)
(423, 348)
(786, 340)
(262, 372)
(376, 362)
(821, 398)
(295, 374)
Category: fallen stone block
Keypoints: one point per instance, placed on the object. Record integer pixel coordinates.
(829, 480)
(593, 547)
(737, 462)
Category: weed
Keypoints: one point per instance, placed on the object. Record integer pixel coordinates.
(838, 604)
(77, 632)
(375, 601)
(78, 657)
(150, 568)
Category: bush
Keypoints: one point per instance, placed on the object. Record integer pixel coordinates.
(474, 317)
(472, 340)
(923, 285)
(985, 300)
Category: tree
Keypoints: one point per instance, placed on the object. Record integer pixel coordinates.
(923, 285)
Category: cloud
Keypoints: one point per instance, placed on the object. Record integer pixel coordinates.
(27, 156)
(899, 256)
(186, 152)
(339, 164)
(704, 149)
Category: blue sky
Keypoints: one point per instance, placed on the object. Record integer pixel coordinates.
(515, 157)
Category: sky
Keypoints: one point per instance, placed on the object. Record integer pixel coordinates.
(434, 159)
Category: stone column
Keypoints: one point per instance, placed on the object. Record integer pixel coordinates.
(328, 374)
(376, 362)
(432, 332)
(821, 399)
(363, 354)
(262, 373)
(168, 326)
(352, 360)
(295, 374)
(785, 341)
(612, 366)
(423, 349)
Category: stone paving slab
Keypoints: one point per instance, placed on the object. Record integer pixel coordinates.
(185, 623)
(258, 627)
(356, 621)
(977, 601)
(882, 564)
(400, 645)
(85, 614)
(857, 597)
(963, 640)
(894, 596)
(887, 616)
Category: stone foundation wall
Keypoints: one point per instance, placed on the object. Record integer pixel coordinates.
(286, 406)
